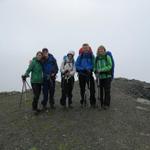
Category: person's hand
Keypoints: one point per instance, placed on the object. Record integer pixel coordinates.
(88, 71)
(24, 77)
(66, 72)
(95, 71)
(98, 71)
(53, 74)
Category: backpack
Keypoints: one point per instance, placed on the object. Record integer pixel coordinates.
(108, 53)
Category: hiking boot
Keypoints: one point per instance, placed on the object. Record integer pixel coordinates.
(36, 111)
(83, 105)
(64, 106)
(44, 108)
(93, 106)
(70, 106)
(52, 106)
(105, 107)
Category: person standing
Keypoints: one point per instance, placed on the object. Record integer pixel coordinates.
(67, 70)
(84, 67)
(35, 68)
(103, 71)
(50, 69)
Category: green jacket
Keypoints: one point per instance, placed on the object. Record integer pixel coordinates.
(103, 64)
(36, 71)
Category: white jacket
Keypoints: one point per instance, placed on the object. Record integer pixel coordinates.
(68, 65)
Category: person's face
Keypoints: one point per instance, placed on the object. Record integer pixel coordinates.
(70, 56)
(45, 54)
(101, 51)
(39, 56)
(86, 48)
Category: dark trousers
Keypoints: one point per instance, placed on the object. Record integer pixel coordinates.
(87, 80)
(36, 87)
(105, 87)
(67, 87)
(48, 91)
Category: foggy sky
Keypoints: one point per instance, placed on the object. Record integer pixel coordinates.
(26, 26)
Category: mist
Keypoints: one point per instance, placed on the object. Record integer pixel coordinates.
(62, 25)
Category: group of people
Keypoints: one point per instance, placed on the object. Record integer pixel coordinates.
(44, 68)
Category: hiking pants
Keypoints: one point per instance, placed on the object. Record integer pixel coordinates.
(36, 87)
(89, 81)
(67, 87)
(105, 88)
(48, 91)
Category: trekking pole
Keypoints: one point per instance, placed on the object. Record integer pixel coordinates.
(28, 85)
(67, 88)
(20, 102)
(85, 97)
(98, 86)
(24, 90)
(87, 87)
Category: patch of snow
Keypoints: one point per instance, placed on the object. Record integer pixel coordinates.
(143, 101)
(141, 108)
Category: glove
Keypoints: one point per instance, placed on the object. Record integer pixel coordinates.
(24, 77)
(95, 71)
(53, 76)
(66, 71)
(88, 72)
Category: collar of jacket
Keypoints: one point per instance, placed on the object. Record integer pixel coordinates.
(86, 55)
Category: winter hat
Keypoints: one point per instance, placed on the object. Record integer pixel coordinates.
(71, 53)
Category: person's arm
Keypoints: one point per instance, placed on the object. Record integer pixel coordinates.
(55, 67)
(30, 69)
(90, 67)
(62, 67)
(72, 73)
(93, 62)
(78, 64)
(108, 67)
(95, 65)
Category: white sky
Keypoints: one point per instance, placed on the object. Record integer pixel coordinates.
(27, 26)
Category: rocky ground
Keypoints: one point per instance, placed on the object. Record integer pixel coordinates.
(125, 126)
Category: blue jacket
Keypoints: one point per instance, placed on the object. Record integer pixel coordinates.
(85, 61)
(50, 65)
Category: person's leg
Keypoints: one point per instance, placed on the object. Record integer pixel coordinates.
(82, 83)
(63, 97)
(107, 88)
(45, 93)
(52, 92)
(36, 91)
(92, 90)
(70, 88)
